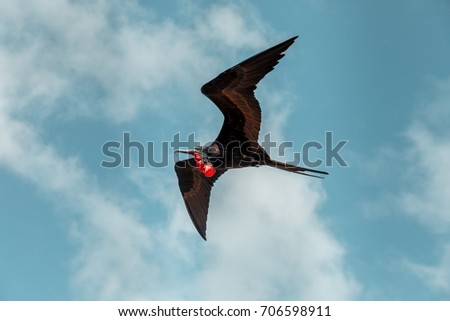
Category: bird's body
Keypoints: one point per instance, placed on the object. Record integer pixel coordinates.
(237, 145)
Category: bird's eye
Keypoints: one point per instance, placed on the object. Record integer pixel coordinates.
(213, 149)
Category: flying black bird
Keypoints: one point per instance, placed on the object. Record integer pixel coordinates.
(237, 144)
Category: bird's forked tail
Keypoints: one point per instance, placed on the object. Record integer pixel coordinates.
(295, 169)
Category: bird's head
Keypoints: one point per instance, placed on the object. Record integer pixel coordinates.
(201, 160)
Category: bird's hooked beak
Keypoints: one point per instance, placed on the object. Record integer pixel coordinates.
(190, 152)
(197, 153)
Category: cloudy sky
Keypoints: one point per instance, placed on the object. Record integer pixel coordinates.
(77, 74)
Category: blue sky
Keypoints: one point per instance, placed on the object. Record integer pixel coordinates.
(77, 74)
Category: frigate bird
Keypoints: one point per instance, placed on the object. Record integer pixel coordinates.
(237, 145)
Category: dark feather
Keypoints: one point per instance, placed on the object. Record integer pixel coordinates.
(233, 92)
(196, 190)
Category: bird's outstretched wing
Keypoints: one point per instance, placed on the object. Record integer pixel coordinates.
(196, 190)
(233, 92)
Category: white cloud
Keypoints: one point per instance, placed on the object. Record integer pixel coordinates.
(104, 52)
(98, 59)
(429, 135)
(103, 226)
(227, 24)
(435, 276)
(421, 169)
(267, 240)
